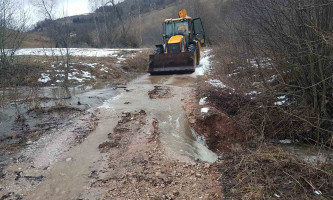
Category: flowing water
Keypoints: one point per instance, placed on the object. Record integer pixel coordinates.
(177, 137)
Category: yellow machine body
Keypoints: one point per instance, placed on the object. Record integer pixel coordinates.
(183, 38)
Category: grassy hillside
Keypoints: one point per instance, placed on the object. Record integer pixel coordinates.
(36, 41)
(138, 24)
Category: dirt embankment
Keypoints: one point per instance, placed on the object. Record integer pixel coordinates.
(262, 172)
(220, 131)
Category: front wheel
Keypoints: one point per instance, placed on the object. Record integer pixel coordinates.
(158, 50)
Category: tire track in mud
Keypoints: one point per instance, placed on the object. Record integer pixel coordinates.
(161, 167)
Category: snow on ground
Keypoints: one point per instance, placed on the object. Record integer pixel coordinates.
(272, 79)
(216, 83)
(121, 59)
(252, 93)
(263, 62)
(78, 75)
(204, 66)
(233, 74)
(92, 65)
(281, 100)
(202, 101)
(105, 69)
(286, 141)
(81, 52)
(204, 110)
(44, 78)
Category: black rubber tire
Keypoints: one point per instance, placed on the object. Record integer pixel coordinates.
(194, 48)
(191, 48)
(158, 51)
(198, 56)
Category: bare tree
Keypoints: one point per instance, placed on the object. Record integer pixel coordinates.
(60, 33)
(297, 38)
(13, 22)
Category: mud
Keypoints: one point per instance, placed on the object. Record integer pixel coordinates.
(136, 134)
(220, 132)
(160, 92)
(142, 148)
(136, 166)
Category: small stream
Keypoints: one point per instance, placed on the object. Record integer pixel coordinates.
(178, 139)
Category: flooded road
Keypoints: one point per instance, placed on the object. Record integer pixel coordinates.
(56, 166)
(65, 170)
(178, 138)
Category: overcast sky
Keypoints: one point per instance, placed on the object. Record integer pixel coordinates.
(64, 8)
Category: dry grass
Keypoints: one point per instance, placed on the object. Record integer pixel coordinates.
(36, 41)
(138, 63)
(250, 99)
(269, 172)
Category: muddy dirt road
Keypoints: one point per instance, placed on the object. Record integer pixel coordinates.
(142, 148)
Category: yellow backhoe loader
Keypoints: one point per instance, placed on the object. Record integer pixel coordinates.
(182, 41)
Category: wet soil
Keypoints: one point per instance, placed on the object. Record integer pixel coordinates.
(219, 130)
(137, 167)
(160, 92)
(139, 142)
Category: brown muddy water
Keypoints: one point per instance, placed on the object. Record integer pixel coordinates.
(32, 119)
(177, 137)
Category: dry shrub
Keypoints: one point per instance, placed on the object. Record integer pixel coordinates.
(19, 74)
(270, 172)
(138, 63)
(251, 94)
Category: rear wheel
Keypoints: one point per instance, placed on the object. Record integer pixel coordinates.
(193, 48)
(198, 55)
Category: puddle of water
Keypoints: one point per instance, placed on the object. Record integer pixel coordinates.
(83, 97)
(176, 135)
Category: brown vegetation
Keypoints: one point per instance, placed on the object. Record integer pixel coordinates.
(137, 167)
(36, 41)
(138, 63)
(270, 173)
(278, 79)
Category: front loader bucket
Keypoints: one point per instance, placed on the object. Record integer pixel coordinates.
(171, 63)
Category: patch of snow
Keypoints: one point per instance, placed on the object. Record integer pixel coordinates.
(81, 52)
(87, 75)
(233, 74)
(72, 76)
(45, 78)
(92, 65)
(216, 83)
(272, 78)
(204, 110)
(202, 101)
(318, 192)
(286, 141)
(120, 60)
(105, 69)
(281, 100)
(204, 66)
(252, 93)
(263, 62)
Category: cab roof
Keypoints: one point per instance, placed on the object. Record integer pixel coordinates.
(178, 19)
